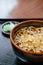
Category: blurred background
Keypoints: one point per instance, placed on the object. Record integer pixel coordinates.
(21, 9)
(6, 6)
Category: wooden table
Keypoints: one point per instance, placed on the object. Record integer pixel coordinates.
(27, 9)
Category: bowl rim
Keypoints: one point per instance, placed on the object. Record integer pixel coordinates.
(14, 44)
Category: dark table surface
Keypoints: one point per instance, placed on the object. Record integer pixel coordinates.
(7, 56)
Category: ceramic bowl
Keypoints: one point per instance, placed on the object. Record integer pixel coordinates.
(21, 54)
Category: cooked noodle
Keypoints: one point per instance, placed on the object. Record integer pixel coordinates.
(30, 38)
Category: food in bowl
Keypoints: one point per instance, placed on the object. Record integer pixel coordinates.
(28, 52)
(30, 38)
(8, 26)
